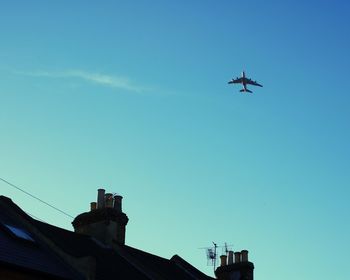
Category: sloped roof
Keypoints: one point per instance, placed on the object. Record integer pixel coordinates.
(108, 262)
(122, 262)
(30, 255)
(125, 262)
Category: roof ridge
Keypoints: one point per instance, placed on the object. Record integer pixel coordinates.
(188, 268)
(144, 252)
(9, 202)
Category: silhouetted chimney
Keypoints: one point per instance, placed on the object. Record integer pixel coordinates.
(93, 205)
(237, 257)
(109, 200)
(223, 259)
(240, 269)
(244, 256)
(118, 203)
(101, 198)
(106, 223)
(230, 257)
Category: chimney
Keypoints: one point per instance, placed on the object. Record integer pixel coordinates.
(230, 257)
(244, 256)
(109, 200)
(237, 257)
(100, 198)
(106, 222)
(223, 259)
(118, 203)
(240, 269)
(93, 206)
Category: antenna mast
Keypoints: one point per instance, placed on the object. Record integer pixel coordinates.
(212, 254)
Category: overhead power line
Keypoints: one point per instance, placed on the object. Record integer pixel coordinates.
(37, 198)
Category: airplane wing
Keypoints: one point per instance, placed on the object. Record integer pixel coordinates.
(236, 81)
(254, 83)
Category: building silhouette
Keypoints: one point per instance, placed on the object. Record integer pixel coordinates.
(31, 249)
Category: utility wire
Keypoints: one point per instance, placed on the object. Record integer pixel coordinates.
(37, 198)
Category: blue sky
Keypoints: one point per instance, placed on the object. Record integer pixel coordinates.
(133, 96)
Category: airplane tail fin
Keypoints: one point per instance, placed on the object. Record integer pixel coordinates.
(245, 90)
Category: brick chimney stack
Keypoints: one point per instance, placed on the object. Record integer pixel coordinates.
(241, 268)
(106, 222)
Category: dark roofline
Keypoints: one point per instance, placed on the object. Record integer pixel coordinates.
(17, 213)
(36, 223)
(98, 215)
(190, 269)
(133, 255)
(8, 201)
(77, 250)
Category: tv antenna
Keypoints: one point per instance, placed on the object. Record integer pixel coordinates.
(226, 248)
(212, 254)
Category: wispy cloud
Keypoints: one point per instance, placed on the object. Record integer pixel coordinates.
(112, 81)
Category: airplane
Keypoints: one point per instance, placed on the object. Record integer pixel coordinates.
(244, 81)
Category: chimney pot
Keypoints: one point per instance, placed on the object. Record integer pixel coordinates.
(223, 259)
(244, 254)
(101, 198)
(118, 203)
(230, 257)
(109, 200)
(93, 206)
(237, 257)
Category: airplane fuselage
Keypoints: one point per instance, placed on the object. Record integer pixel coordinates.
(244, 81)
